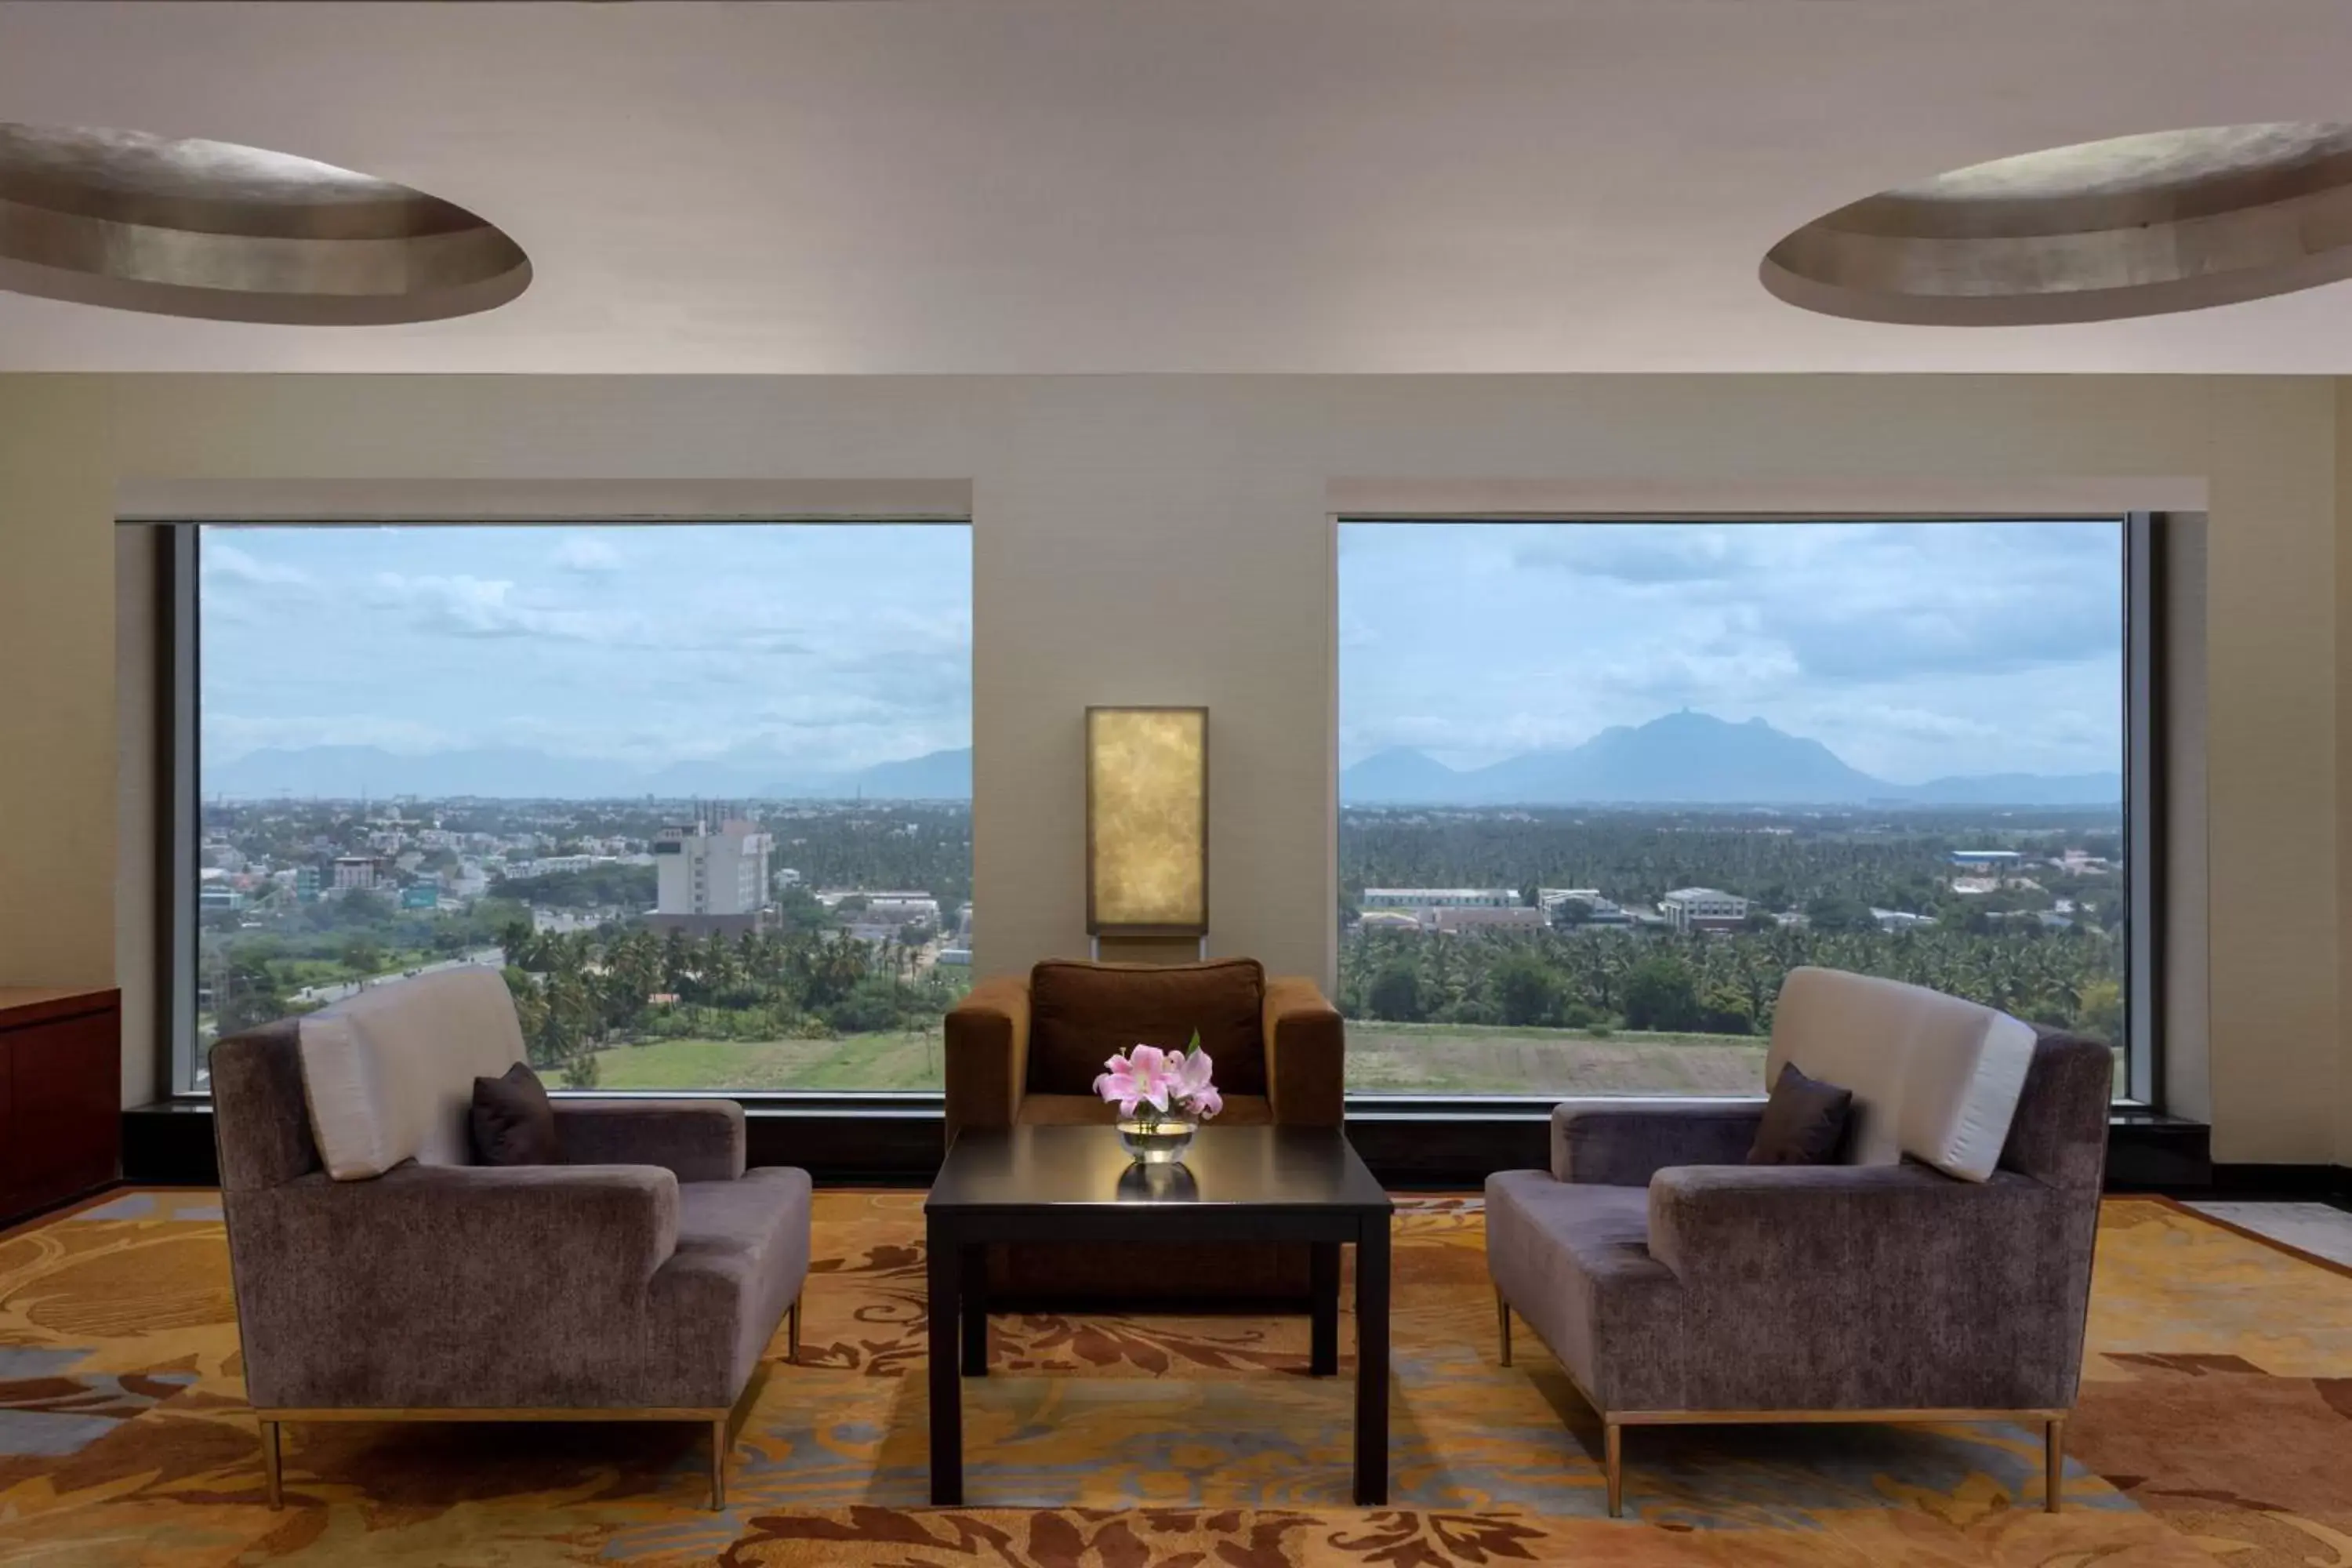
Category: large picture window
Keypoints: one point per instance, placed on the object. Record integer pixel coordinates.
(1605, 783)
(701, 792)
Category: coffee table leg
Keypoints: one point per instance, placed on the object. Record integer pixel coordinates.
(1372, 1363)
(1323, 1356)
(975, 1311)
(945, 1259)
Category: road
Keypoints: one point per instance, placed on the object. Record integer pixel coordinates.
(480, 958)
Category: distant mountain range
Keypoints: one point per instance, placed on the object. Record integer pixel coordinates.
(1682, 759)
(1695, 759)
(347, 772)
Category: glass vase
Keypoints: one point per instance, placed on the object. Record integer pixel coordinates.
(1158, 1138)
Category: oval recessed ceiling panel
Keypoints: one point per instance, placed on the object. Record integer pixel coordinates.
(2138, 226)
(213, 229)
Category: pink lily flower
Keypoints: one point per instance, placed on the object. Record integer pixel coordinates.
(1142, 1075)
(1192, 1085)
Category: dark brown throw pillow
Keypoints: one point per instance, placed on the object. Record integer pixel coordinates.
(1804, 1121)
(1081, 1013)
(513, 1121)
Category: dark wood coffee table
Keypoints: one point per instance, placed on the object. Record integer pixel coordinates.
(1237, 1184)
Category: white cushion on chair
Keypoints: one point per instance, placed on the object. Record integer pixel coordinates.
(389, 1073)
(1933, 1077)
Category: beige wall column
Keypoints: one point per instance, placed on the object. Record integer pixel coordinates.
(57, 685)
(2271, 650)
(1132, 547)
(2343, 954)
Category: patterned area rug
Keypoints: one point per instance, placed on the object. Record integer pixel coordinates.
(2215, 1425)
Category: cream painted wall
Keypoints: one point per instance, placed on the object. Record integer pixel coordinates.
(57, 687)
(2344, 747)
(1169, 540)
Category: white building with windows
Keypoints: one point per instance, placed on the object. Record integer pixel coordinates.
(354, 873)
(1593, 910)
(548, 864)
(1481, 918)
(902, 909)
(1438, 898)
(710, 876)
(1704, 909)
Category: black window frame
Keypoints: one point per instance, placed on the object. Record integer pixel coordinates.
(177, 684)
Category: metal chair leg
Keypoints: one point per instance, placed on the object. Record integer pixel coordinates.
(1503, 1324)
(793, 1331)
(2053, 1464)
(719, 1464)
(270, 1464)
(1613, 1444)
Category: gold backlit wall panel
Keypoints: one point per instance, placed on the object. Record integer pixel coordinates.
(1147, 821)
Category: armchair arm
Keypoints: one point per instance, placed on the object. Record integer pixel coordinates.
(1624, 1142)
(409, 1289)
(1305, 1054)
(987, 1055)
(695, 1139)
(1868, 1287)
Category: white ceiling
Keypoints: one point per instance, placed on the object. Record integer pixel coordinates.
(1124, 185)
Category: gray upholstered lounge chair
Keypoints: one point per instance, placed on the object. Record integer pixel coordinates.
(640, 1281)
(1943, 1274)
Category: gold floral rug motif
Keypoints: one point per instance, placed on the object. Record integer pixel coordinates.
(2215, 1427)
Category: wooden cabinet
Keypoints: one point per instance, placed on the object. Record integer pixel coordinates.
(60, 1095)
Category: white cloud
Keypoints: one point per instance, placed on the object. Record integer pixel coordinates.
(224, 561)
(588, 553)
(1913, 650)
(483, 607)
(823, 648)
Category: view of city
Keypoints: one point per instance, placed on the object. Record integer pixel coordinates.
(714, 826)
(648, 944)
(1613, 969)
(701, 793)
(1604, 784)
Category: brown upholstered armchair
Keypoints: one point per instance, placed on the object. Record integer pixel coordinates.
(1026, 1050)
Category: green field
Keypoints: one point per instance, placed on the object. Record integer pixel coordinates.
(1382, 1059)
(1471, 1059)
(882, 1060)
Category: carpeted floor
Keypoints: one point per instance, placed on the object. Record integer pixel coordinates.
(2215, 1426)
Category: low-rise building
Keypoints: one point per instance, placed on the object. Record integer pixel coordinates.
(1521, 917)
(1438, 898)
(1703, 910)
(548, 864)
(1589, 908)
(1974, 887)
(906, 909)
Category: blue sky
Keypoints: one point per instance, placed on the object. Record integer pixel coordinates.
(823, 647)
(1913, 650)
